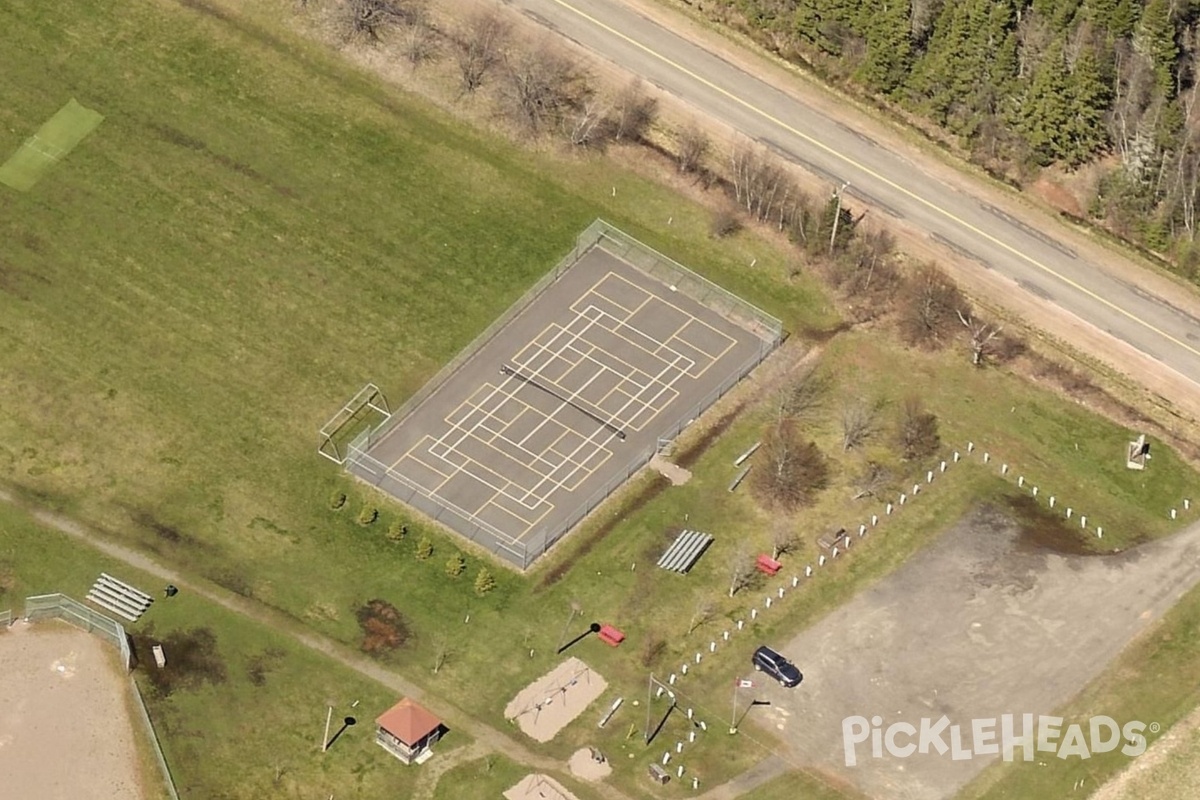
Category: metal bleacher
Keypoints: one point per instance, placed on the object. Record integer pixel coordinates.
(685, 551)
(119, 597)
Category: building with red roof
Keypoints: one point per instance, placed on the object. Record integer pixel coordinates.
(408, 731)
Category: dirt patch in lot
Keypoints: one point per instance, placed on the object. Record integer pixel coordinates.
(991, 619)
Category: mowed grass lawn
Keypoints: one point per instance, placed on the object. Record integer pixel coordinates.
(253, 233)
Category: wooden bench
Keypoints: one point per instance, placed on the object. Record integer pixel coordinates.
(834, 539)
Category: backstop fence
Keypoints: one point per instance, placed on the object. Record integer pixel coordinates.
(5, 619)
(768, 329)
(59, 606)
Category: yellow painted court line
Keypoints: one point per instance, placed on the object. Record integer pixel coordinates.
(691, 318)
(906, 192)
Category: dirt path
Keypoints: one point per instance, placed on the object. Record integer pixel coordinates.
(432, 770)
(488, 739)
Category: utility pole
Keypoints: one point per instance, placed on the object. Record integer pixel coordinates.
(737, 684)
(649, 698)
(837, 215)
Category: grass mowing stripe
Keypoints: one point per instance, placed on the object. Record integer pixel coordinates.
(53, 141)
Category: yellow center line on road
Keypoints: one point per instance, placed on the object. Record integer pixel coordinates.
(906, 192)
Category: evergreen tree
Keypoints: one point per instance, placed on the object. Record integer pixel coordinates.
(1155, 38)
(1046, 112)
(1116, 17)
(889, 50)
(484, 582)
(1059, 13)
(1089, 99)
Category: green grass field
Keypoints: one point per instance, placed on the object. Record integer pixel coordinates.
(254, 233)
(1172, 778)
(800, 784)
(488, 779)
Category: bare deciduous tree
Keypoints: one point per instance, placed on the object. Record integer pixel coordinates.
(929, 303)
(873, 479)
(420, 39)
(693, 146)
(792, 470)
(918, 430)
(802, 396)
(783, 536)
(542, 84)
(982, 336)
(633, 112)
(480, 45)
(367, 19)
(704, 613)
(741, 570)
(858, 422)
(760, 183)
(588, 124)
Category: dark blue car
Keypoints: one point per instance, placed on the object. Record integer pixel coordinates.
(767, 660)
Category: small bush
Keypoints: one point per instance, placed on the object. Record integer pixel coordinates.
(919, 436)
(368, 515)
(455, 565)
(653, 650)
(484, 582)
(725, 222)
(337, 501)
(397, 531)
(424, 549)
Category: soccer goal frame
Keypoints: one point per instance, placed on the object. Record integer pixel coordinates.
(351, 420)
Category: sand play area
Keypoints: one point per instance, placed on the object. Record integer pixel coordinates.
(65, 731)
(589, 764)
(539, 787)
(546, 706)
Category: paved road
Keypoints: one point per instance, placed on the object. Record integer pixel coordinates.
(1035, 261)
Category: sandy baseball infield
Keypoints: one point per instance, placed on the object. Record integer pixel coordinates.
(65, 731)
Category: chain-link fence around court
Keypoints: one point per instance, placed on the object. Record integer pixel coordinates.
(768, 330)
(59, 606)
